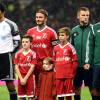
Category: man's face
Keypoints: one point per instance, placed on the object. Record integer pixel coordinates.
(40, 19)
(83, 17)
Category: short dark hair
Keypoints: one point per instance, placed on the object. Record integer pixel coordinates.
(27, 37)
(2, 7)
(50, 61)
(65, 30)
(43, 11)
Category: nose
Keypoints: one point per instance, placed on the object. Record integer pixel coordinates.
(86, 16)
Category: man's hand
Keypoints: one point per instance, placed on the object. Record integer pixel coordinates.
(86, 66)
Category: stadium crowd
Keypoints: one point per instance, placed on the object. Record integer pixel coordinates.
(61, 13)
(81, 51)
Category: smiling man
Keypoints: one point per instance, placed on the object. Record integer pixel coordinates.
(44, 39)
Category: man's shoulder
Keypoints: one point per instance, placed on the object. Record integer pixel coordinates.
(12, 24)
(96, 27)
(97, 24)
(75, 30)
(50, 29)
(75, 27)
(31, 29)
(10, 21)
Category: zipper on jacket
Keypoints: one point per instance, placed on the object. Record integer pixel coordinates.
(82, 45)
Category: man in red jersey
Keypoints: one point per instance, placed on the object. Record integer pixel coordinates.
(44, 38)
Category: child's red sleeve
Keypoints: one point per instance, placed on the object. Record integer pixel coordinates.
(75, 63)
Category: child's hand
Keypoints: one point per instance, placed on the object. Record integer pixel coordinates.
(86, 66)
(23, 81)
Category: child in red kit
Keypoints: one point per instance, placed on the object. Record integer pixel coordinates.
(65, 65)
(25, 60)
(47, 87)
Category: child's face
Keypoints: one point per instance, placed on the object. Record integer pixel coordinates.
(47, 66)
(26, 43)
(63, 37)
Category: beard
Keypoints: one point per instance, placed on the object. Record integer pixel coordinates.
(40, 24)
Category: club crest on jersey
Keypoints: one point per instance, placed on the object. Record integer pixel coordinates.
(28, 58)
(75, 33)
(65, 52)
(44, 35)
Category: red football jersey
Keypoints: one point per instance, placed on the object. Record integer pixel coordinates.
(24, 60)
(43, 41)
(65, 61)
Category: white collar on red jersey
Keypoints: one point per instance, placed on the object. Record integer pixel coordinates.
(41, 29)
(63, 45)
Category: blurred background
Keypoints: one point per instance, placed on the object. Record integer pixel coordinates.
(61, 12)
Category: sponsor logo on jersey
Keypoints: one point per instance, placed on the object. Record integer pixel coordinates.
(25, 65)
(63, 59)
(38, 37)
(40, 45)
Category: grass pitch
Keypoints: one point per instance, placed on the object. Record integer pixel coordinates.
(5, 96)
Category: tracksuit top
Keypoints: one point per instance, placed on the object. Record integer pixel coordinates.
(80, 40)
(96, 43)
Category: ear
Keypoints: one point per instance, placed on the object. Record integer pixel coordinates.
(67, 36)
(46, 19)
(78, 17)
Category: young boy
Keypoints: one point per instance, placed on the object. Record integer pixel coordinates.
(65, 65)
(47, 86)
(25, 60)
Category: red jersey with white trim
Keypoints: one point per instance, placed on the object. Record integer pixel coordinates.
(65, 60)
(25, 60)
(43, 41)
